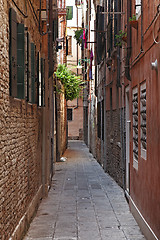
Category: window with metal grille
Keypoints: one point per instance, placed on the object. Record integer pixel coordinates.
(138, 8)
(112, 25)
(69, 114)
(135, 126)
(143, 120)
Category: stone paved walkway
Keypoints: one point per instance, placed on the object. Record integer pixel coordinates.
(84, 203)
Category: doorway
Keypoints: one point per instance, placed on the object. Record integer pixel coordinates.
(128, 129)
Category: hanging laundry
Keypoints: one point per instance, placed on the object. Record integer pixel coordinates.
(90, 67)
(86, 37)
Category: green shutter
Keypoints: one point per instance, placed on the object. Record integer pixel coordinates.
(69, 13)
(28, 67)
(42, 80)
(38, 78)
(32, 73)
(13, 52)
(20, 61)
(55, 29)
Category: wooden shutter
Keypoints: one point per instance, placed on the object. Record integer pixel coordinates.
(66, 46)
(38, 79)
(20, 61)
(50, 40)
(28, 68)
(32, 73)
(42, 82)
(69, 13)
(13, 52)
(69, 45)
(55, 29)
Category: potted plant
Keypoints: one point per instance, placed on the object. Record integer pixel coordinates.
(133, 22)
(122, 36)
(79, 36)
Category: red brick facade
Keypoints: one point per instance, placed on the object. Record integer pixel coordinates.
(26, 126)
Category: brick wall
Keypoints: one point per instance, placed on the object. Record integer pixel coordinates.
(20, 136)
(20, 164)
(114, 164)
(62, 121)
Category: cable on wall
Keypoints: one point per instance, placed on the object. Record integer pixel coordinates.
(158, 11)
(24, 15)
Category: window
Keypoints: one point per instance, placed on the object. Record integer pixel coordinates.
(69, 13)
(16, 55)
(27, 66)
(135, 127)
(138, 8)
(143, 120)
(100, 34)
(69, 45)
(32, 87)
(40, 81)
(69, 114)
(22, 54)
(20, 61)
(112, 25)
(77, 2)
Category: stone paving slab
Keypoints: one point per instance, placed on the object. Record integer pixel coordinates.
(84, 203)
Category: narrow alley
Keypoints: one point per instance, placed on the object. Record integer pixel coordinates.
(83, 203)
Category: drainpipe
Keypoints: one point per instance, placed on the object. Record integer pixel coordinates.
(43, 152)
(57, 129)
(141, 26)
(40, 5)
(104, 87)
(127, 74)
(118, 47)
(77, 51)
(127, 64)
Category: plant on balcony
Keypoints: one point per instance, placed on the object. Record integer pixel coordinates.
(120, 37)
(79, 36)
(72, 84)
(133, 22)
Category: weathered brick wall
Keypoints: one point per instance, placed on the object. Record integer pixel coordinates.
(20, 162)
(114, 164)
(62, 121)
(98, 150)
(20, 133)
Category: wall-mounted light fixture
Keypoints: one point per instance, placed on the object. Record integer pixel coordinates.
(154, 65)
